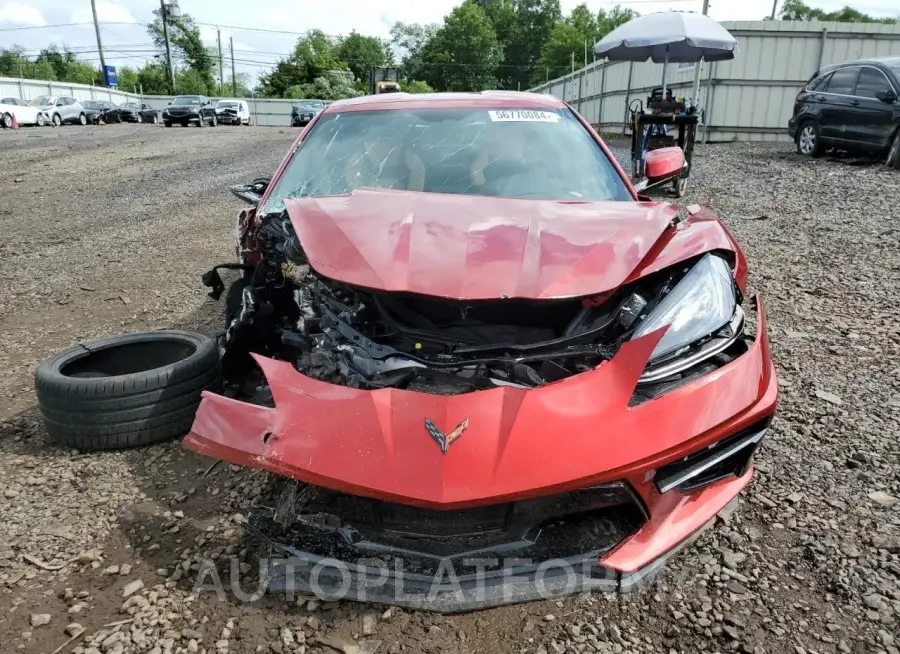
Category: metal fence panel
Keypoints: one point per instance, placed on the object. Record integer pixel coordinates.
(750, 97)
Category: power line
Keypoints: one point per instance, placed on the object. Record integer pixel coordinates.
(47, 27)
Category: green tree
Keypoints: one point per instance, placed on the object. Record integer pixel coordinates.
(534, 21)
(409, 39)
(607, 21)
(152, 78)
(416, 86)
(128, 78)
(463, 55)
(66, 67)
(13, 62)
(190, 81)
(331, 85)
(572, 40)
(313, 55)
(798, 10)
(186, 46)
(241, 81)
(363, 53)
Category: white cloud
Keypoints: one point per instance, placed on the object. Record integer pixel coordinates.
(107, 12)
(17, 13)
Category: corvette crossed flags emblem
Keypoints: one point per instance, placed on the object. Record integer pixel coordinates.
(443, 440)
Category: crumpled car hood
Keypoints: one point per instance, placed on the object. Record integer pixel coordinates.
(476, 247)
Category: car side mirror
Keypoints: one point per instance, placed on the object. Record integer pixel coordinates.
(252, 193)
(886, 96)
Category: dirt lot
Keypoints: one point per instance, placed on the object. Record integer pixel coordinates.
(108, 229)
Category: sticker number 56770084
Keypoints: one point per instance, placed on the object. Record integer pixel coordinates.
(524, 115)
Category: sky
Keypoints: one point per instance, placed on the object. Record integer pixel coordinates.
(34, 24)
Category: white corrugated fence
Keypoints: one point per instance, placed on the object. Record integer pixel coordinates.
(750, 97)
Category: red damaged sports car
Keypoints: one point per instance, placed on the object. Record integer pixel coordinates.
(483, 367)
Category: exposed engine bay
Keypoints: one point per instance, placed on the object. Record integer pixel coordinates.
(371, 339)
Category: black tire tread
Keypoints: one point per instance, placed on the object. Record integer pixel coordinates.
(151, 433)
(116, 396)
(147, 410)
(129, 410)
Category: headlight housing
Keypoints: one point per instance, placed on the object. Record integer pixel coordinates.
(702, 303)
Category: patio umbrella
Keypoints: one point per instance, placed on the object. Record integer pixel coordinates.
(671, 36)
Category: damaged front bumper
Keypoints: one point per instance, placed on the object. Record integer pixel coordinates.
(467, 583)
(682, 457)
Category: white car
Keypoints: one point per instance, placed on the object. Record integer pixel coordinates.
(61, 109)
(25, 113)
(233, 112)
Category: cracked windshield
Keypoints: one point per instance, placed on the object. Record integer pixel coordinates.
(514, 153)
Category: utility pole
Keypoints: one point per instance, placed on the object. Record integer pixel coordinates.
(573, 61)
(699, 65)
(774, 9)
(221, 74)
(233, 77)
(165, 23)
(99, 43)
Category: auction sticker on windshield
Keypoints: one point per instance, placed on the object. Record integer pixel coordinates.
(523, 115)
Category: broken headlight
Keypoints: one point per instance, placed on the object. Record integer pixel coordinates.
(701, 305)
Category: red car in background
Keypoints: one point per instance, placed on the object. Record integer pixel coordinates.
(483, 368)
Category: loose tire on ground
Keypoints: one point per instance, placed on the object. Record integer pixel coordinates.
(127, 390)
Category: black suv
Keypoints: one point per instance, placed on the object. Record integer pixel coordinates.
(304, 111)
(187, 109)
(850, 106)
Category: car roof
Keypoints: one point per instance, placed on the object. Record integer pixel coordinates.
(885, 62)
(501, 99)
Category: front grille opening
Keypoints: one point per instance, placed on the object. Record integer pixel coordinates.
(730, 457)
(579, 524)
(402, 521)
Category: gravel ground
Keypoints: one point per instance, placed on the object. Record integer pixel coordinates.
(108, 229)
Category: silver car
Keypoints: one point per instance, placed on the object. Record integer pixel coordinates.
(61, 109)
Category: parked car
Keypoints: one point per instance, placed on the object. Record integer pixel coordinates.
(25, 113)
(61, 109)
(853, 106)
(190, 110)
(135, 112)
(97, 109)
(233, 112)
(304, 111)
